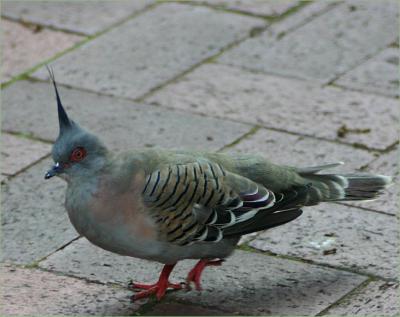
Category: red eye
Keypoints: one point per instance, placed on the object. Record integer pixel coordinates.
(78, 154)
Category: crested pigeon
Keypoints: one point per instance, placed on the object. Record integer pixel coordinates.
(168, 206)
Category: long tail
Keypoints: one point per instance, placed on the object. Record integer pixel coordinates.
(343, 187)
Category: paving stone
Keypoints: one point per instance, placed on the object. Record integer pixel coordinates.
(378, 75)
(288, 149)
(338, 235)
(182, 309)
(387, 164)
(287, 104)
(86, 17)
(34, 220)
(247, 283)
(379, 298)
(326, 47)
(34, 292)
(119, 123)
(150, 49)
(18, 153)
(257, 7)
(24, 47)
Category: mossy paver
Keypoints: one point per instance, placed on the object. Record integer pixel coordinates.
(31, 108)
(330, 45)
(378, 298)
(86, 17)
(380, 74)
(247, 283)
(34, 292)
(24, 46)
(150, 49)
(342, 236)
(286, 104)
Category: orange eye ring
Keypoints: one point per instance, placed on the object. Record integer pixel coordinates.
(78, 154)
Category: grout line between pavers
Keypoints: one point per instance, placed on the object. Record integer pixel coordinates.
(247, 248)
(143, 102)
(264, 126)
(60, 273)
(366, 209)
(312, 81)
(44, 157)
(228, 47)
(246, 135)
(87, 39)
(68, 31)
(176, 78)
(224, 8)
(362, 90)
(360, 287)
(26, 73)
(217, 7)
(27, 136)
(58, 249)
(361, 62)
(28, 24)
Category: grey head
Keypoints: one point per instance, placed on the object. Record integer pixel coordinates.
(76, 152)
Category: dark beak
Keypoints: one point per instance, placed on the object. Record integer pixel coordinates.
(55, 170)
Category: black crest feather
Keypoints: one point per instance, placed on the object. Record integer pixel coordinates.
(63, 119)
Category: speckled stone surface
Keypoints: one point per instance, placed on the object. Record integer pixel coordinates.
(33, 217)
(87, 17)
(341, 236)
(378, 298)
(287, 104)
(288, 149)
(380, 74)
(325, 48)
(119, 123)
(34, 292)
(247, 283)
(168, 308)
(24, 47)
(150, 49)
(18, 152)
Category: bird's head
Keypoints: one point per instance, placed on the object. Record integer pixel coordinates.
(76, 152)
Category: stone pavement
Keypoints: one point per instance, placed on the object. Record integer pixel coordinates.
(301, 83)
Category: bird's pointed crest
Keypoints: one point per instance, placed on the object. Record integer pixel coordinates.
(63, 119)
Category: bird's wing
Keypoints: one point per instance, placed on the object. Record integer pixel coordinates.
(200, 201)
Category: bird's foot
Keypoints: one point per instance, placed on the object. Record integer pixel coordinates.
(159, 289)
(194, 275)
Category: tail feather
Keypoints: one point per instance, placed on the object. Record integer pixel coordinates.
(343, 187)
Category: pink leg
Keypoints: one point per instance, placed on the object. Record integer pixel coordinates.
(159, 288)
(195, 274)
